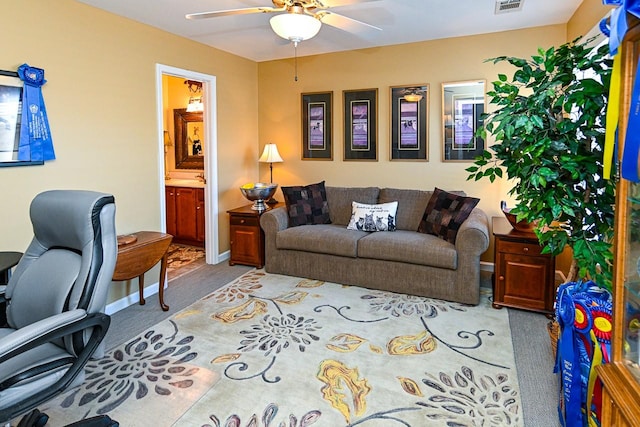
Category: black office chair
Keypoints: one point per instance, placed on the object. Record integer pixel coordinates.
(55, 300)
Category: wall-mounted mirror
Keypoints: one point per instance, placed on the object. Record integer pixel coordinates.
(189, 137)
(463, 104)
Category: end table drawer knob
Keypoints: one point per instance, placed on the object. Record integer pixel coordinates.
(501, 278)
(525, 249)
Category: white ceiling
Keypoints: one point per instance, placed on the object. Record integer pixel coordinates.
(401, 21)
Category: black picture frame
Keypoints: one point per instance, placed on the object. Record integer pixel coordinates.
(409, 124)
(317, 126)
(463, 106)
(360, 124)
(11, 94)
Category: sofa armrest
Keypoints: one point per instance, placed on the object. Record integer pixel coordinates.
(274, 220)
(473, 235)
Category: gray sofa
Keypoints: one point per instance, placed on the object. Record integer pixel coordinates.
(404, 261)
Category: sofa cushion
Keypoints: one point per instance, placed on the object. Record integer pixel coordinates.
(340, 198)
(325, 239)
(306, 204)
(380, 217)
(410, 247)
(411, 206)
(445, 213)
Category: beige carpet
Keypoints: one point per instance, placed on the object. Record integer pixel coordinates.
(271, 350)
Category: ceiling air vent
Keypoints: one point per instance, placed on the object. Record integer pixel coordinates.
(504, 6)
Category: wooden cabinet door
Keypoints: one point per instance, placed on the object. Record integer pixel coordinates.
(170, 196)
(200, 215)
(525, 279)
(247, 245)
(186, 227)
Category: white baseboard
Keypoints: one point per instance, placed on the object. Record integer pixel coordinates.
(134, 298)
(131, 299)
(487, 266)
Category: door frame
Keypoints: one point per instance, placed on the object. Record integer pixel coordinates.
(210, 154)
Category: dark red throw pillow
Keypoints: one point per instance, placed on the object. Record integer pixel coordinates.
(445, 213)
(307, 204)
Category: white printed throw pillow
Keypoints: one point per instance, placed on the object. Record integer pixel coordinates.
(380, 217)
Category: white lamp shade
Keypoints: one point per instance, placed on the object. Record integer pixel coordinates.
(195, 105)
(295, 26)
(270, 154)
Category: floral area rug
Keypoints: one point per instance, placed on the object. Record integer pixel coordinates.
(183, 258)
(272, 350)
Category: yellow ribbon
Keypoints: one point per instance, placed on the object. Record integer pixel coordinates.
(613, 107)
(596, 360)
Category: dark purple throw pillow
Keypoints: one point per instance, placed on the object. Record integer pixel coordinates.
(445, 213)
(307, 204)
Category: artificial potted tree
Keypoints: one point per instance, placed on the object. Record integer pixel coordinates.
(549, 129)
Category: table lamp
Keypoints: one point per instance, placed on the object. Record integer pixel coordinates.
(270, 155)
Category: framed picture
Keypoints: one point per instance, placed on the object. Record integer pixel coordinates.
(361, 124)
(11, 119)
(463, 104)
(409, 125)
(317, 126)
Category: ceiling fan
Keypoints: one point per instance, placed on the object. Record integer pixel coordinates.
(301, 19)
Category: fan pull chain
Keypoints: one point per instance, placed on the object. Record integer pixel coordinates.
(295, 56)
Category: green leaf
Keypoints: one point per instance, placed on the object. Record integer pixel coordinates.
(537, 121)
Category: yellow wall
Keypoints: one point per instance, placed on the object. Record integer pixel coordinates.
(588, 15)
(432, 62)
(101, 101)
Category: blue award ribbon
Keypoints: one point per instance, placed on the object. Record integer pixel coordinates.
(631, 149)
(617, 26)
(567, 360)
(35, 136)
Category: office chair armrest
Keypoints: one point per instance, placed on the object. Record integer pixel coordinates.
(42, 331)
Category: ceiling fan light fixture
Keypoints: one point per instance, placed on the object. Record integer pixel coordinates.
(295, 27)
(412, 97)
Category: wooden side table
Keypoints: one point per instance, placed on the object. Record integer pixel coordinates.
(524, 277)
(135, 259)
(247, 238)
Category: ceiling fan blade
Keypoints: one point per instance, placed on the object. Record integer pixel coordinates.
(244, 11)
(344, 23)
(324, 4)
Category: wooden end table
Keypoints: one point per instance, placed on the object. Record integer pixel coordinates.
(524, 277)
(247, 238)
(136, 258)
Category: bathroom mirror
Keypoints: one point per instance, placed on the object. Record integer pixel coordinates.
(189, 134)
(463, 104)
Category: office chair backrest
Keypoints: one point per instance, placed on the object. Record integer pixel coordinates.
(70, 261)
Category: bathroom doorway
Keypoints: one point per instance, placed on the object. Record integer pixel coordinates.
(180, 166)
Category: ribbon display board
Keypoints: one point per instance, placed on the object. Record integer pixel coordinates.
(583, 311)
